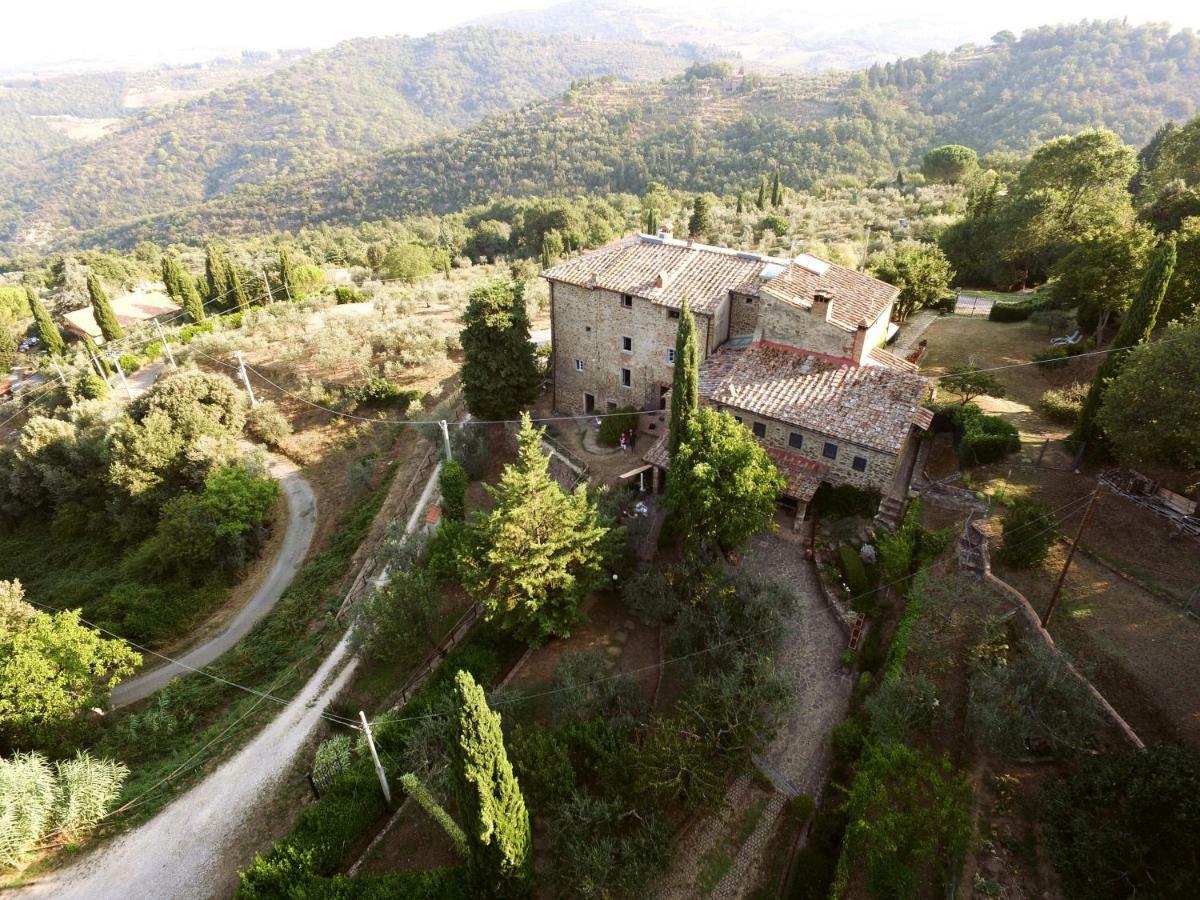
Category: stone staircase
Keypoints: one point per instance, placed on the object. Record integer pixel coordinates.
(972, 549)
(891, 512)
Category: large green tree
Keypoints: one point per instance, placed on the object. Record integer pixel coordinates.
(722, 486)
(1183, 293)
(685, 386)
(47, 330)
(949, 164)
(921, 272)
(539, 551)
(182, 287)
(103, 311)
(52, 667)
(1098, 277)
(700, 223)
(1136, 328)
(500, 371)
(1148, 414)
(499, 844)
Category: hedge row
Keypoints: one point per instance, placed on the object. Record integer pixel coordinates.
(980, 438)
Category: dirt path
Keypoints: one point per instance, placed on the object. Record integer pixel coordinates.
(302, 520)
(195, 846)
(810, 660)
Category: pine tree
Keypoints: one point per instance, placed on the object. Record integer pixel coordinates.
(539, 551)
(1136, 328)
(497, 824)
(102, 309)
(500, 371)
(287, 275)
(685, 386)
(51, 337)
(761, 202)
(776, 191)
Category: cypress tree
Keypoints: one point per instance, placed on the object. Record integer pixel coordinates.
(287, 274)
(1136, 328)
(651, 221)
(216, 274)
(240, 295)
(170, 278)
(493, 810)
(105, 317)
(685, 384)
(191, 303)
(741, 208)
(776, 191)
(8, 346)
(99, 363)
(700, 222)
(52, 338)
(761, 202)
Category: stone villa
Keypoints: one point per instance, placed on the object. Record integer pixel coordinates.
(793, 348)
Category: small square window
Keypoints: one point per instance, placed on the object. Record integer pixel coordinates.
(672, 314)
(738, 419)
(749, 299)
(759, 429)
(579, 365)
(795, 440)
(830, 451)
(626, 378)
(859, 464)
(671, 356)
(627, 300)
(626, 344)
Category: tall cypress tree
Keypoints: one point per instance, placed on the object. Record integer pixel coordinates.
(52, 338)
(240, 295)
(216, 275)
(776, 191)
(99, 363)
(170, 278)
(500, 371)
(191, 302)
(685, 384)
(495, 819)
(761, 202)
(741, 205)
(102, 309)
(1136, 328)
(287, 275)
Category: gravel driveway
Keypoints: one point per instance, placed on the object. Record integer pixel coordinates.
(810, 659)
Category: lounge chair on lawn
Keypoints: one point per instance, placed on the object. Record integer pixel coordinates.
(1069, 341)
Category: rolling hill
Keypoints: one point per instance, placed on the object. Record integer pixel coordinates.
(725, 134)
(328, 108)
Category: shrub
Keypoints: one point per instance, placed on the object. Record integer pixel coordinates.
(988, 439)
(1011, 312)
(1052, 358)
(469, 445)
(267, 422)
(650, 595)
(600, 851)
(900, 707)
(453, 485)
(614, 425)
(1029, 531)
(346, 294)
(131, 362)
(845, 500)
(852, 569)
(543, 767)
(846, 741)
(1063, 406)
(92, 387)
(1123, 824)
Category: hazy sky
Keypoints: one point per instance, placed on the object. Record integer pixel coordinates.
(138, 32)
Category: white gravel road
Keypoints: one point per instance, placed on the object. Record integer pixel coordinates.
(185, 852)
(302, 522)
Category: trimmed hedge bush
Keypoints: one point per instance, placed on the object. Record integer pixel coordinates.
(852, 569)
(979, 438)
(1052, 358)
(346, 294)
(1063, 406)
(1011, 312)
(613, 426)
(1029, 531)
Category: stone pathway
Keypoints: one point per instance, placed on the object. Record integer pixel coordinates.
(810, 659)
(912, 331)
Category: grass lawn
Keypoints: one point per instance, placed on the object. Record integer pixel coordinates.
(958, 340)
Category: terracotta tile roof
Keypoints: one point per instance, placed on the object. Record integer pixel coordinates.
(664, 271)
(867, 405)
(801, 474)
(855, 296)
(889, 360)
(657, 455)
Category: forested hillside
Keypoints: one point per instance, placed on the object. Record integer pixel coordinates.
(725, 134)
(329, 108)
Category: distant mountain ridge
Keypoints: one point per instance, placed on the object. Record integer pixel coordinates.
(328, 108)
(725, 135)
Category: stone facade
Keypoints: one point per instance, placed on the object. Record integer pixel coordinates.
(880, 468)
(589, 330)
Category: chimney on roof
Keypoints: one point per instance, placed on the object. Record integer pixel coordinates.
(664, 231)
(821, 304)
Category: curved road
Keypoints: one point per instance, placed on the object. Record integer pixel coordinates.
(302, 520)
(194, 847)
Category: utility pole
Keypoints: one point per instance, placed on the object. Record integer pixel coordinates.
(166, 346)
(446, 438)
(245, 378)
(124, 382)
(387, 792)
(1062, 576)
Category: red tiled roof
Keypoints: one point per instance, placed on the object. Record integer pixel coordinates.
(878, 356)
(854, 296)
(802, 475)
(867, 405)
